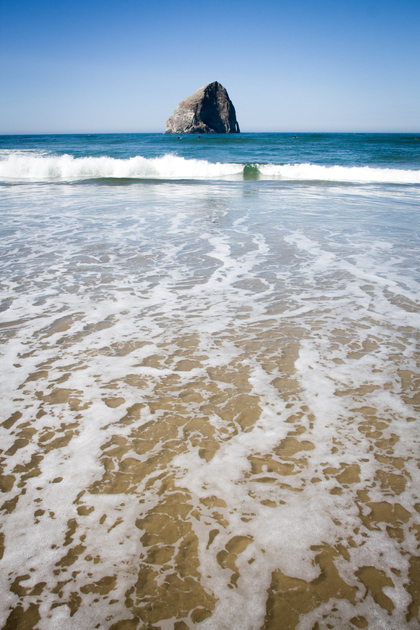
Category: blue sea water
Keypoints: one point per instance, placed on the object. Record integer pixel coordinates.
(210, 381)
(386, 151)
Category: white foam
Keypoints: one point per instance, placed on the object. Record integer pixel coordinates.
(193, 266)
(315, 172)
(30, 166)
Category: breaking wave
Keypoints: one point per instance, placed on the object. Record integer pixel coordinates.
(18, 166)
(314, 172)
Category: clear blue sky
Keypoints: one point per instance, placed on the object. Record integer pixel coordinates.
(293, 65)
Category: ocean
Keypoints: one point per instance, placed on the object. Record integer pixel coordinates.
(210, 382)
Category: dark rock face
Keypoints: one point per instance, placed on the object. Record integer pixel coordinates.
(209, 110)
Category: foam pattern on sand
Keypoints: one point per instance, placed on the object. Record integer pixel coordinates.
(210, 410)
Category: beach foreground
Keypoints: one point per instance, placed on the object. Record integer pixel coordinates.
(210, 400)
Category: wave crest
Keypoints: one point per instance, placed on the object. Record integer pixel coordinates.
(315, 172)
(20, 167)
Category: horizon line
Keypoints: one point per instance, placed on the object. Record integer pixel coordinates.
(172, 135)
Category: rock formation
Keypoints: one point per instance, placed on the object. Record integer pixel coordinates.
(209, 110)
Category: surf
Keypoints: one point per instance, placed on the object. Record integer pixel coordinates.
(18, 166)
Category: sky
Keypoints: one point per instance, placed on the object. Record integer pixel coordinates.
(92, 66)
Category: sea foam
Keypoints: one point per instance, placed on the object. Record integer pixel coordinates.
(315, 172)
(18, 166)
(223, 384)
(30, 167)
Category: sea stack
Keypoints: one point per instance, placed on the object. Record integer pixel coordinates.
(209, 110)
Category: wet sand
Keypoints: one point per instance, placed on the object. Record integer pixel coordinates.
(208, 423)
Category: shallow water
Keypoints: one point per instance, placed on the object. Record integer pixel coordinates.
(210, 402)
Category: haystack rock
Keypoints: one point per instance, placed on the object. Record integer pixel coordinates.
(209, 110)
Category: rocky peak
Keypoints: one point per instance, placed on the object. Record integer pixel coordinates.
(208, 110)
